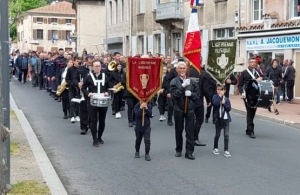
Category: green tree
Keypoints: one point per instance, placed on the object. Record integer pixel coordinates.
(16, 8)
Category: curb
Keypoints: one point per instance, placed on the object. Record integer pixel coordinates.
(49, 174)
(276, 120)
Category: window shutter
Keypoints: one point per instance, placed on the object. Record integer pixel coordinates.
(204, 43)
(59, 32)
(73, 21)
(34, 34)
(64, 34)
(49, 35)
(45, 20)
(150, 43)
(34, 19)
(163, 43)
(49, 20)
(133, 45)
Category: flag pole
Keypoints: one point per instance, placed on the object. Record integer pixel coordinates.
(187, 88)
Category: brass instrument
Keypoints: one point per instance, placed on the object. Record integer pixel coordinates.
(112, 65)
(118, 87)
(62, 88)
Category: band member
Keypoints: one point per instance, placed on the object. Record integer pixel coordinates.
(73, 92)
(97, 114)
(62, 83)
(60, 63)
(230, 81)
(131, 101)
(82, 73)
(246, 76)
(274, 74)
(115, 80)
(180, 88)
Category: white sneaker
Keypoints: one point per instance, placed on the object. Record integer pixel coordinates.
(216, 151)
(77, 118)
(72, 120)
(227, 154)
(118, 115)
(161, 118)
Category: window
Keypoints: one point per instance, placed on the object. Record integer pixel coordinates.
(224, 33)
(40, 34)
(155, 2)
(117, 12)
(110, 12)
(55, 34)
(295, 6)
(53, 20)
(68, 21)
(122, 15)
(158, 43)
(142, 6)
(257, 7)
(141, 44)
(39, 20)
(177, 42)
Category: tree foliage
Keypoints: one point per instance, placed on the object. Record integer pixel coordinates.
(16, 8)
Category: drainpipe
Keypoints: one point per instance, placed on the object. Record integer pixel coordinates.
(130, 28)
(106, 42)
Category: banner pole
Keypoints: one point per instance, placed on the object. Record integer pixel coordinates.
(186, 88)
(143, 117)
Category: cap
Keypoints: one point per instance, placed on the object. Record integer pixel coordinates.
(255, 53)
(89, 56)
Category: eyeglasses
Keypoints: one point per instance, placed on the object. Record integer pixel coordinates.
(220, 89)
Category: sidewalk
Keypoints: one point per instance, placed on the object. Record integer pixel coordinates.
(289, 113)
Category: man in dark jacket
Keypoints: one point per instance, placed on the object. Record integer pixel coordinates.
(230, 81)
(181, 88)
(22, 63)
(209, 90)
(289, 78)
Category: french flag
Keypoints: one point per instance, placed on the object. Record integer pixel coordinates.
(192, 45)
(194, 3)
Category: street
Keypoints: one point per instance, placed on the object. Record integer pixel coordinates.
(267, 165)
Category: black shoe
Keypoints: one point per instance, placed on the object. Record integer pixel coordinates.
(206, 120)
(147, 157)
(247, 132)
(100, 141)
(130, 125)
(133, 122)
(83, 131)
(59, 100)
(276, 112)
(252, 135)
(122, 108)
(198, 143)
(213, 121)
(170, 123)
(65, 117)
(269, 109)
(178, 154)
(95, 144)
(113, 113)
(137, 155)
(56, 98)
(189, 156)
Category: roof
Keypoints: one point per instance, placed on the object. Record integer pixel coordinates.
(64, 8)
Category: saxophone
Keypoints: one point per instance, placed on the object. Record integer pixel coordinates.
(62, 88)
(118, 87)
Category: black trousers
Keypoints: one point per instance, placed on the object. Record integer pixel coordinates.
(84, 115)
(199, 117)
(290, 89)
(23, 73)
(117, 101)
(139, 136)
(34, 77)
(250, 118)
(162, 100)
(65, 101)
(97, 115)
(131, 102)
(41, 81)
(184, 121)
(74, 110)
(219, 125)
(170, 109)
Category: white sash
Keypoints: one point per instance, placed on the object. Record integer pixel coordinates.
(98, 82)
(251, 74)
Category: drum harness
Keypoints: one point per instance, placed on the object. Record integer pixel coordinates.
(98, 82)
(253, 77)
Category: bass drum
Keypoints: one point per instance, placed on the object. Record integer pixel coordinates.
(259, 94)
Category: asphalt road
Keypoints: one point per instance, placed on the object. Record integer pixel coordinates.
(267, 165)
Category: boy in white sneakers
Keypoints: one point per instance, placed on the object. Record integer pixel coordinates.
(222, 118)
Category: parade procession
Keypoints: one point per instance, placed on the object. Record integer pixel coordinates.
(89, 81)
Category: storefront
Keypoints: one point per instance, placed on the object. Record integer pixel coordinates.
(275, 44)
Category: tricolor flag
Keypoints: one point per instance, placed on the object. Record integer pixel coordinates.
(192, 45)
(195, 3)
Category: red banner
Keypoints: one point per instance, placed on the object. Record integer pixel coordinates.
(144, 77)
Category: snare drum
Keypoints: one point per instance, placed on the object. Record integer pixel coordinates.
(259, 94)
(99, 100)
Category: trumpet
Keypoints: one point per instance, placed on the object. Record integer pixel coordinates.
(118, 87)
(112, 65)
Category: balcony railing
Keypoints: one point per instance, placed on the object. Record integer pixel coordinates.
(169, 11)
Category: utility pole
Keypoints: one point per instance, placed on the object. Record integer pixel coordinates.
(4, 79)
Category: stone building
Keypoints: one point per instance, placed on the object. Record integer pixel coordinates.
(270, 27)
(47, 28)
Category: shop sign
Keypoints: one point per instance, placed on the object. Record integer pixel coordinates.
(270, 43)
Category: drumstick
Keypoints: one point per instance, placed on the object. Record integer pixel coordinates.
(143, 117)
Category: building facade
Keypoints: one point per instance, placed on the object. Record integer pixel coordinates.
(91, 25)
(47, 28)
(271, 27)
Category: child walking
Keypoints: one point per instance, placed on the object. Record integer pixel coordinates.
(222, 118)
(142, 131)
